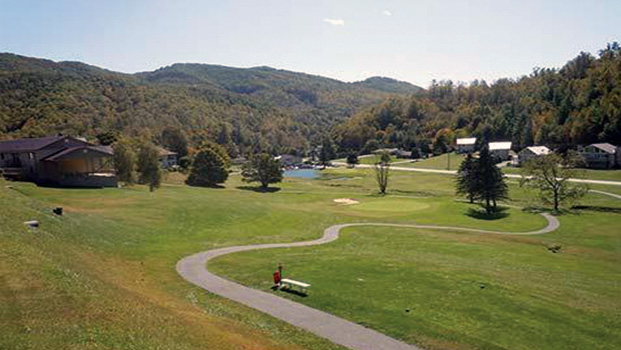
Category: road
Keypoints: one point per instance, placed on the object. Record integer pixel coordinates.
(453, 172)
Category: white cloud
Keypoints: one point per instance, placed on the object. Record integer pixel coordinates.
(334, 22)
(386, 13)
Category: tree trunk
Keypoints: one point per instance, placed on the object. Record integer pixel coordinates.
(555, 200)
(487, 206)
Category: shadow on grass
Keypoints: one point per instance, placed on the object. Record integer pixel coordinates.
(259, 189)
(205, 186)
(597, 209)
(481, 213)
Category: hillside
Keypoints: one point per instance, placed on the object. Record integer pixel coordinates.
(257, 107)
(580, 103)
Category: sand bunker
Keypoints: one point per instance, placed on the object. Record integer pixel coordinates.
(345, 201)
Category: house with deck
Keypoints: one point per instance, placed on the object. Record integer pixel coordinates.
(58, 161)
(466, 145)
(529, 153)
(602, 155)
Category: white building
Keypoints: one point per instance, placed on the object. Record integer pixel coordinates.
(500, 150)
(529, 153)
(466, 145)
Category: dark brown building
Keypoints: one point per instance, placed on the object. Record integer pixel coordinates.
(59, 161)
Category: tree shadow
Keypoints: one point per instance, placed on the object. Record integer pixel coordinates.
(597, 209)
(481, 214)
(205, 186)
(259, 189)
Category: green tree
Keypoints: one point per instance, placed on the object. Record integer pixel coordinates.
(149, 168)
(327, 152)
(209, 169)
(262, 168)
(440, 145)
(550, 174)
(382, 171)
(174, 140)
(491, 185)
(352, 160)
(124, 162)
(467, 183)
(107, 138)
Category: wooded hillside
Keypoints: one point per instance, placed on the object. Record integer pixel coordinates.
(247, 109)
(579, 103)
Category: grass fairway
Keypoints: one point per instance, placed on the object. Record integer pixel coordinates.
(102, 276)
(441, 162)
(591, 174)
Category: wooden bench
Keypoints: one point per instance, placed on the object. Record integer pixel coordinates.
(289, 284)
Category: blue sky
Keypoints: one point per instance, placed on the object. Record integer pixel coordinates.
(416, 41)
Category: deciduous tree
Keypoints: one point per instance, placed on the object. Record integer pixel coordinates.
(262, 168)
(549, 175)
(124, 162)
(149, 168)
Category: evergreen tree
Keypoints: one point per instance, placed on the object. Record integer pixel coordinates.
(149, 168)
(262, 168)
(491, 185)
(467, 183)
(209, 169)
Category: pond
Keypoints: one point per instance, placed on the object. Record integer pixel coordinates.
(302, 173)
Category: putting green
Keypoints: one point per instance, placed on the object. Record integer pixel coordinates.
(390, 205)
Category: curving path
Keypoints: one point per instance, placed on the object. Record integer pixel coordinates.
(346, 333)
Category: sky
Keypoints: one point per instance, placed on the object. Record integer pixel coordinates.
(410, 40)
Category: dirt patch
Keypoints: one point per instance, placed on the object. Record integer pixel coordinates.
(345, 201)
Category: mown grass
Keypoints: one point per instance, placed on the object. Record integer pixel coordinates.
(447, 161)
(591, 174)
(102, 276)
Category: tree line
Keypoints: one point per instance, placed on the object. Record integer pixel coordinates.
(579, 103)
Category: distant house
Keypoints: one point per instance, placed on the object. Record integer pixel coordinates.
(466, 145)
(602, 155)
(500, 150)
(403, 154)
(289, 159)
(167, 158)
(390, 151)
(58, 160)
(529, 153)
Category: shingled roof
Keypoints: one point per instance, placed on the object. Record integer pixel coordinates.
(27, 145)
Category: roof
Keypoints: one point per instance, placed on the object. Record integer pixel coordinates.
(164, 152)
(27, 145)
(606, 147)
(467, 141)
(538, 150)
(498, 146)
(106, 150)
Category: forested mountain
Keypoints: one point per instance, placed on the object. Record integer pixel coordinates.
(246, 109)
(579, 103)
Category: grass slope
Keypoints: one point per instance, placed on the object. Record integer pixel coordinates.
(102, 276)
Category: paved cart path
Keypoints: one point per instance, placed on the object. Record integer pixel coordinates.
(340, 331)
